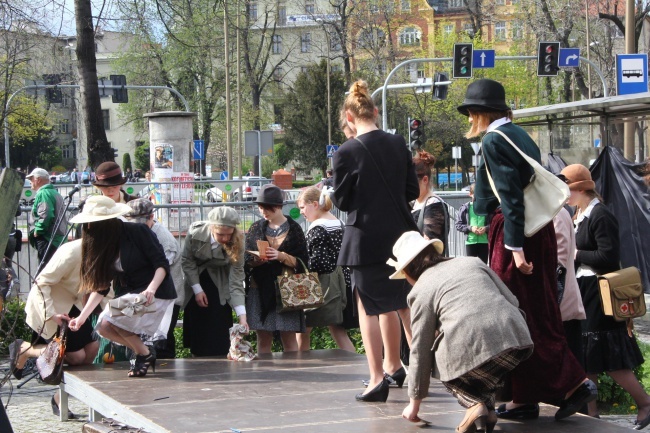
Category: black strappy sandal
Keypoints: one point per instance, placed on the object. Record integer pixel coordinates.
(141, 363)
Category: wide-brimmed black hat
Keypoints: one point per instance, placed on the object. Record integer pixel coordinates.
(484, 95)
(271, 195)
(108, 174)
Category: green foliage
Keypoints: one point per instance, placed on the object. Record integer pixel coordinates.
(302, 183)
(58, 169)
(126, 162)
(321, 339)
(142, 157)
(269, 165)
(12, 324)
(181, 352)
(305, 116)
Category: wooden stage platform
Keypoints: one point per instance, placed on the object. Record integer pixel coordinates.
(293, 392)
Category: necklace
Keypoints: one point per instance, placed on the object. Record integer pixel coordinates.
(274, 233)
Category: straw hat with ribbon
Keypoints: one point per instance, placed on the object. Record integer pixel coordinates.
(407, 247)
(99, 208)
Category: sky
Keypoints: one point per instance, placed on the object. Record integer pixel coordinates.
(59, 15)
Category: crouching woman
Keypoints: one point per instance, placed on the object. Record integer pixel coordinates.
(461, 309)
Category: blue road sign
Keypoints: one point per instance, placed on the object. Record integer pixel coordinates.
(569, 58)
(597, 142)
(331, 148)
(483, 59)
(198, 150)
(631, 73)
(224, 175)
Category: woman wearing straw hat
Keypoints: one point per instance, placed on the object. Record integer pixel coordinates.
(461, 309)
(213, 263)
(111, 247)
(527, 265)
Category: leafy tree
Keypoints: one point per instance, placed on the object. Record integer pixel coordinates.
(32, 141)
(142, 157)
(126, 162)
(305, 116)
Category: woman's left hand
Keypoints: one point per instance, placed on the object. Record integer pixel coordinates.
(272, 254)
(243, 321)
(150, 294)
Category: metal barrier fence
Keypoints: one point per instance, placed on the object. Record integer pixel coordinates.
(168, 213)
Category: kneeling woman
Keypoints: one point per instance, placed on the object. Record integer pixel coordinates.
(131, 253)
(461, 309)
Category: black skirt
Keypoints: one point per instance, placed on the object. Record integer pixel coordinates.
(606, 345)
(206, 329)
(379, 294)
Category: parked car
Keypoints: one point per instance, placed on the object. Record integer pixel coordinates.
(214, 195)
(251, 188)
(61, 178)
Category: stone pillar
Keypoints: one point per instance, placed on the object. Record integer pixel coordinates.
(170, 137)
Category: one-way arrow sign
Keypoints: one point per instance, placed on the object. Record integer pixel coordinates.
(483, 59)
(569, 58)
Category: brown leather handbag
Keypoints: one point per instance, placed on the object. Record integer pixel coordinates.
(621, 294)
(50, 362)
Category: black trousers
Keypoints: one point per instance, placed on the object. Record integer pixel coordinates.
(477, 250)
(41, 247)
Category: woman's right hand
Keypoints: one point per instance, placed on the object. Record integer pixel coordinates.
(60, 318)
(521, 264)
(201, 299)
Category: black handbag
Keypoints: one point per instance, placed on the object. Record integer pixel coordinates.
(50, 362)
(561, 280)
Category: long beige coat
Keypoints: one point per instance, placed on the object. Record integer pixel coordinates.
(571, 306)
(56, 289)
(475, 315)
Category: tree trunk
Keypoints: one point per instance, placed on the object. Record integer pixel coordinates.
(93, 124)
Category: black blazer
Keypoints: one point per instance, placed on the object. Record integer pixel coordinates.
(374, 222)
(140, 255)
(597, 241)
(511, 173)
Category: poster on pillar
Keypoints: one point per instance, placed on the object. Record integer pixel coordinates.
(182, 194)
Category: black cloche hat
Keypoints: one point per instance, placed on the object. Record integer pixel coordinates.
(484, 95)
(271, 195)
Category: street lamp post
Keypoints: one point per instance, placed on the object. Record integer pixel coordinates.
(329, 106)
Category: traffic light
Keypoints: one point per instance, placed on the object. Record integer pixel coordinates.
(53, 95)
(440, 92)
(119, 95)
(415, 135)
(548, 58)
(463, 60)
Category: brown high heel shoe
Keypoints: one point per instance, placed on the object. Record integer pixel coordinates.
(475, 419)
(491, 421)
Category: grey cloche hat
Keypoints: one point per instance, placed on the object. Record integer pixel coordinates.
(484, 95)
(271, 195)
(223, 216)
(141, 207)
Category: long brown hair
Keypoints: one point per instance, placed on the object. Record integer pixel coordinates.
(100, 248)
(359, 102)
(427, 258)
(235, 247)
(482, 119)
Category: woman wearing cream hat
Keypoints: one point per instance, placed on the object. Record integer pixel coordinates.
(130, 254)
(213, 264)
(607, 346)
(461, 309)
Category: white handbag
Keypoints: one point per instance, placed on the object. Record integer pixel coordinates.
(544, 196)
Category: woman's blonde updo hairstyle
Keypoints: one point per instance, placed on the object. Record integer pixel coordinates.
(359, 102)
(313, 194)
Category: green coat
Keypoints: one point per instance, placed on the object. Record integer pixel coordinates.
(511, 174)
(48, 205)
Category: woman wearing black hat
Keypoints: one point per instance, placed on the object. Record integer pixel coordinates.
(526, 264)
(286, 244)
(109, 181)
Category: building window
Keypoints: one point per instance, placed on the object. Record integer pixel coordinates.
(278, 74)
(448, 29)
(500, 30)
(406, 6)
(335, 41)
(282, 15)
(304, 69)
(309, 8)
(139, 143)
(335, 68)
(369, 38)
(66, 99)
(64, 126)
(252, 11)
(305, 43)
(468, 28)
(517, 30)
(500, 2)
(456, 3)
(68, 151)
(106, 116)
(277, 44)
(410, 36)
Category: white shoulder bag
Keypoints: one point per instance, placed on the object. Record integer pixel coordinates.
(544, 196)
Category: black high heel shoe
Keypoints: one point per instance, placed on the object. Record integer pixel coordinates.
(378, 393)
(14, 354)
(56, 411)
(387, 377)
(141, 363)
(399, 377)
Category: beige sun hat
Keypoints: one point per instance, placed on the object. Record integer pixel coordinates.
(99, 208)
(407, 247)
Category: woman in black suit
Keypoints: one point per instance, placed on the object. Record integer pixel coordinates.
(378, 214)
